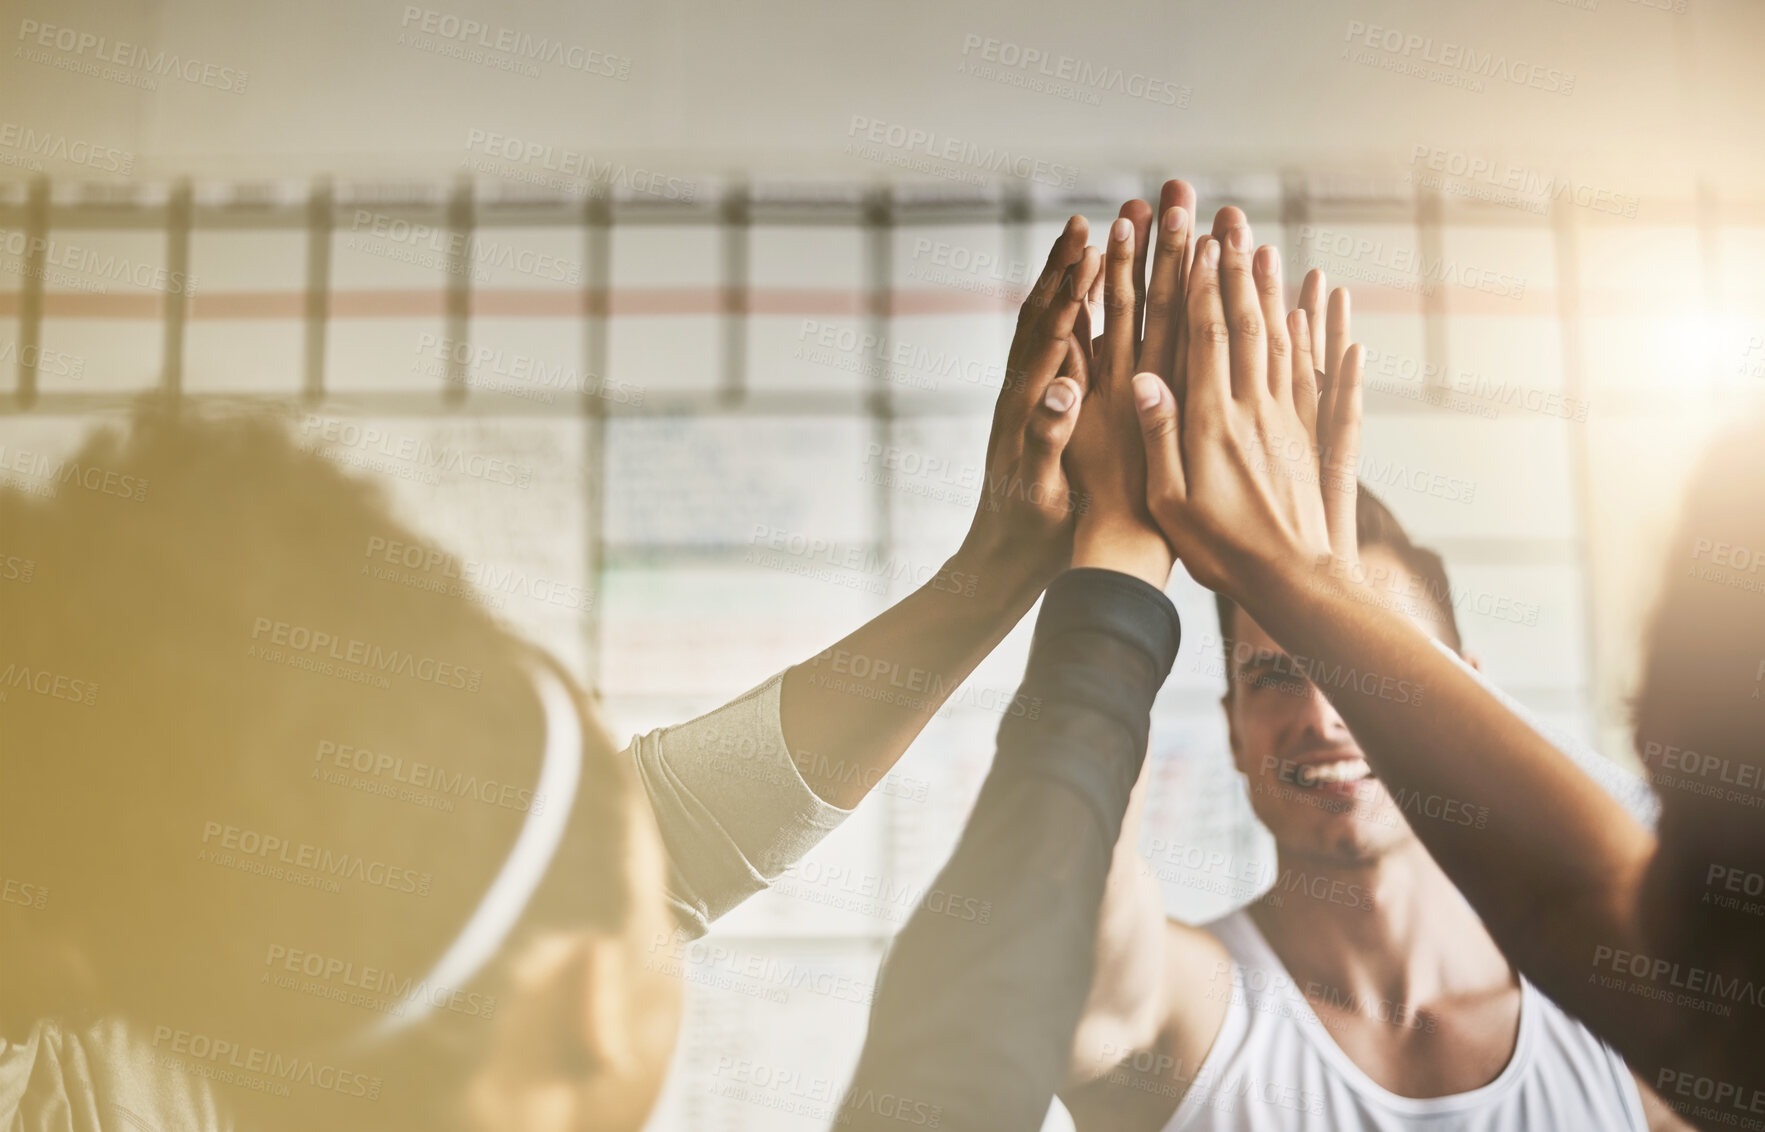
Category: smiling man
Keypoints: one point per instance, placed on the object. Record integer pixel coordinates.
(1361, 991)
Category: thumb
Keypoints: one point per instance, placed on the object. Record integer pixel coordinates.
(1157, 410)
(1050, 426)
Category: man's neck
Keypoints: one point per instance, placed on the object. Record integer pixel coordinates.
(1391, 929)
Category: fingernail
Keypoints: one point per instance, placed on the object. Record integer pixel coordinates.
(1174, 218)
(1121, 230)
(1300, 322)
(1240, 237)
(1148, 390)
(1271, 259)
(1211, 254)
(1059, 397)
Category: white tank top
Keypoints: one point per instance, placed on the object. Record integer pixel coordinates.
(1273, 1066)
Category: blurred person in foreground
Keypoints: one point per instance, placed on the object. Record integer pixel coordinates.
(285, 845)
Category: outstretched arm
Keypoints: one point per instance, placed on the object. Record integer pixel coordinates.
(741, 793)
(973, 1019)
(1556, 869)
(975, 1016)
(850, 712)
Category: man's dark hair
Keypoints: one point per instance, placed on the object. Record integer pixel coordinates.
(1376, 526)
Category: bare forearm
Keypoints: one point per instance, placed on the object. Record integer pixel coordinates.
(850, 712)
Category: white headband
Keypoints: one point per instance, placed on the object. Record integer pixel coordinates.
(526, 865)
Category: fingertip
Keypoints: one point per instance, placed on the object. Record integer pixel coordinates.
(1226, 219)
(1122, 231)
(1267, 263)
(1061, 395)
(1149, 391)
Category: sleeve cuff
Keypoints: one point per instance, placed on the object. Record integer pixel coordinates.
(732, 806)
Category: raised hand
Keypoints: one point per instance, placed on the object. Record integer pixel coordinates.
(1234, 476)
(1024, 521)
(1141, 322)
(1328, 399)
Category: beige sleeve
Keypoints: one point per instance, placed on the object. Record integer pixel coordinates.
(732, 806)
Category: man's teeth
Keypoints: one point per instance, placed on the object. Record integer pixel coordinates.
(1348, 770)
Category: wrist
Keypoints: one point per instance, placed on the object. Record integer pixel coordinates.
(1002, 582)
(1274, 589)
(1126, 546)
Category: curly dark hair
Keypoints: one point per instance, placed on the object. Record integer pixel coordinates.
(226, 742)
